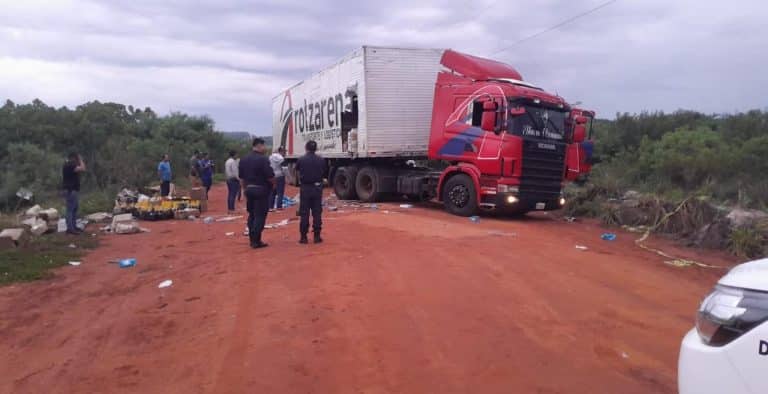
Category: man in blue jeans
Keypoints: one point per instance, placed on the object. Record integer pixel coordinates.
(164, 171)
(276, 162)
(233, 180)
(71, 184)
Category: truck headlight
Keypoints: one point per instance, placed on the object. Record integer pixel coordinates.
(562, 201)
(728, 312)
(512, 200)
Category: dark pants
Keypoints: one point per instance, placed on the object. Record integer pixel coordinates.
(256, 201)
(73, 203)
(311, 199)
(233, 188)
(276, 198)
(165, 188)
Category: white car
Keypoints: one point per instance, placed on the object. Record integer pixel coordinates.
(727, 352)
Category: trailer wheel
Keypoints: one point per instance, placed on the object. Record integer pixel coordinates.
(367, 185)
(344, 183)
(459, 195)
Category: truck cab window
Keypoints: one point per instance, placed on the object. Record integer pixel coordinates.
(477, 113)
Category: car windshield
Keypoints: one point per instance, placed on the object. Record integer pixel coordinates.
(539, 122)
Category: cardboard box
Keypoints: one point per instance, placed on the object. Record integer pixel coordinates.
(197, 193)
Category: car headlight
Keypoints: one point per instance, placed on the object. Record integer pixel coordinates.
(728, 312)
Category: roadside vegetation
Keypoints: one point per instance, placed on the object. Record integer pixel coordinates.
(120, 144)
(705, 166)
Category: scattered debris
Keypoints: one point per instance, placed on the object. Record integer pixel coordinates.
(125, 224)
(34, 211)
(12, 238)
(406, 206)
(126, 228)
(608, 237)
(49, 215)
(192, 217)
(569, 219)
(75, 263)
(25, 194)
(61, 226)
(581, 247)
(229, 218)
(208, 220)
(127, 263)
(72, 246)
(164, 284)
(624, 355)
(474, 219)
(39, 228)
(333, 208)
(281, 223)
(99, 217)
(230, 234)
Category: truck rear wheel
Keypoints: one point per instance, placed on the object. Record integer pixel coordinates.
(344, 183)
(367, 185)
(460, 196)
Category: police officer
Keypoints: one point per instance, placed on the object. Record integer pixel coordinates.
(311, 168)
(257, 180)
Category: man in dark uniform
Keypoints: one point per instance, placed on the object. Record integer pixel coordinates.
(311, 168)
(257, 180)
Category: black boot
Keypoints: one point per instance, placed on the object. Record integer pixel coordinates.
(317, 239)
(303, 239)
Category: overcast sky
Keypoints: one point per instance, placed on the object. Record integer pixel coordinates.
(228, 58)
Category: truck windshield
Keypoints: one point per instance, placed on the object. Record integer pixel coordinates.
(539, 122)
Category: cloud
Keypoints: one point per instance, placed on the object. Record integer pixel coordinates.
(228, 58)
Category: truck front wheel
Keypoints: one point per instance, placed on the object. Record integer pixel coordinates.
(460, 196)
(344, 183)
(367, 185)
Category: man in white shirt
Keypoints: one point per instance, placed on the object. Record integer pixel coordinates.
(276, 162)
(233, 180)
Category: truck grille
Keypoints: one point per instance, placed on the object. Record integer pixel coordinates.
(542, 172)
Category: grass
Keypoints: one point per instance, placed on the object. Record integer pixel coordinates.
(35, 259)
(746, 242)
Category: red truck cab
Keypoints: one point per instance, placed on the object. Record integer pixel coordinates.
(506, 140)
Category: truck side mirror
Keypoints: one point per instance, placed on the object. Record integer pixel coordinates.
(489, 120)
(579, 133)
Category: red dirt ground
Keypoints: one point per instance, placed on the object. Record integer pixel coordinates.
(395, 301)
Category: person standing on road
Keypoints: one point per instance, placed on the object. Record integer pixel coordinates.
(311, 168)
(206, 172)
(257, 180)
(194, 169)
(164, 171)
(233, 180)
(276, 161)
(70, 173)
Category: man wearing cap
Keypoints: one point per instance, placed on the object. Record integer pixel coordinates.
(257, 180)
(311, 168)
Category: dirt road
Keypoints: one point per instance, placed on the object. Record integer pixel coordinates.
(396, 301)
